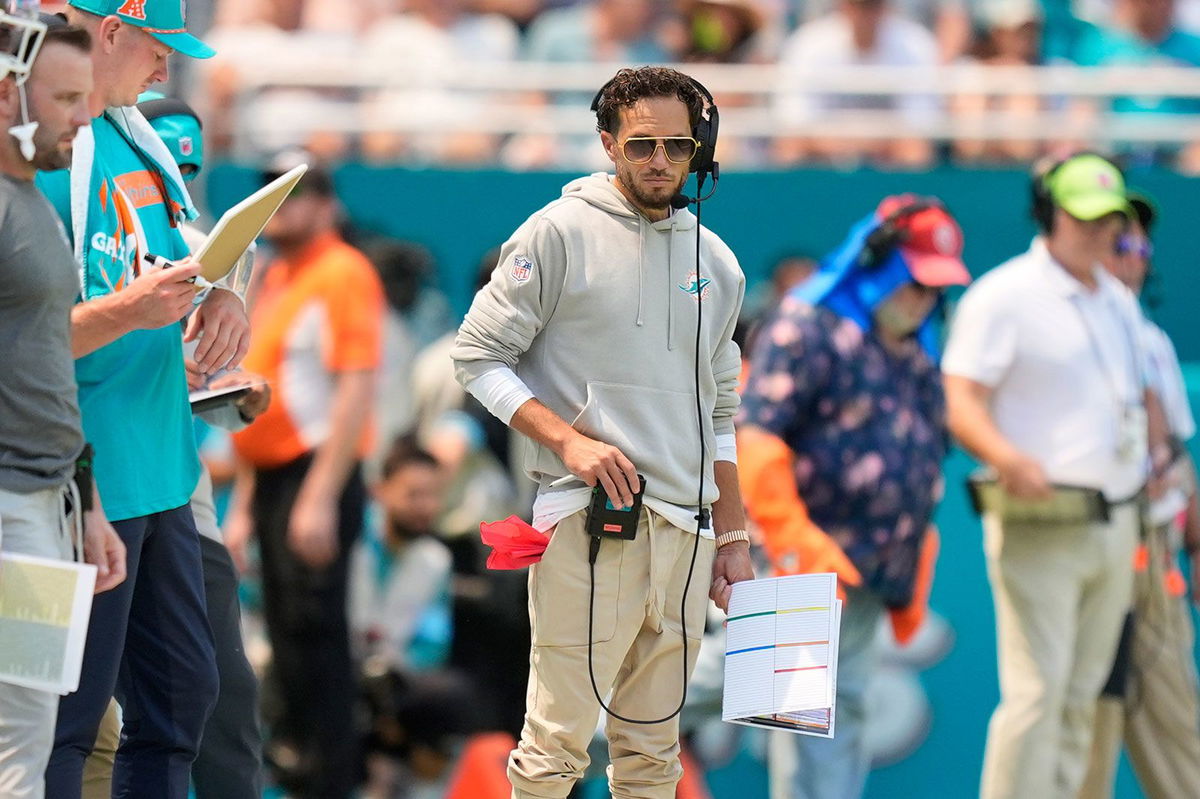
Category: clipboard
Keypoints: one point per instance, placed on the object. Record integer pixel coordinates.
(240, 225)
(206, 399)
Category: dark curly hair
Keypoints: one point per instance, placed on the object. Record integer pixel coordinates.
(631, 85)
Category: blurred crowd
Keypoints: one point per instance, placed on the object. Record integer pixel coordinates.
(374, 66)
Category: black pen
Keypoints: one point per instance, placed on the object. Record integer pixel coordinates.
(163, 263)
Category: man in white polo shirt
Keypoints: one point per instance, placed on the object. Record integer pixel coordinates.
(1045, 384)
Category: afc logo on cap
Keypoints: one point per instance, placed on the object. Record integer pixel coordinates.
(136, 9)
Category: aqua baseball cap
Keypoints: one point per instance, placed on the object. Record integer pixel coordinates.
(1088, 186)
(162, 19)
(178, 125)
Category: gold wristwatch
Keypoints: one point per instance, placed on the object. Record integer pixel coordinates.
(731, 536)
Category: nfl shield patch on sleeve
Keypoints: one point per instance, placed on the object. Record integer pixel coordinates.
(521, 269)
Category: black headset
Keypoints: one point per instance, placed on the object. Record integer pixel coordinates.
(890, 235)
(704, 131)
(1042, 205)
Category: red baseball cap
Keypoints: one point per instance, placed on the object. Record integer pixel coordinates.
(932, 244)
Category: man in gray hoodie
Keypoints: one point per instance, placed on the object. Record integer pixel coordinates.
(585, 342)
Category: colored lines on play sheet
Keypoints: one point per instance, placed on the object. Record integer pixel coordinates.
(775, 646)
(780, 646)
(774, 612)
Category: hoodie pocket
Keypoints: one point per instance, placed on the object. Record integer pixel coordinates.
(656, 429)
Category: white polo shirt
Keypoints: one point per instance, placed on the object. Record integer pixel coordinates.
(1066, 366)
(1166, 379)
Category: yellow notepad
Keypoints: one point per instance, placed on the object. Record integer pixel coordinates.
(238, 227)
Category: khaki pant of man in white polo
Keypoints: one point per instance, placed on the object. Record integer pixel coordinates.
(1061, 593)
(1159, 718)
(637, 652)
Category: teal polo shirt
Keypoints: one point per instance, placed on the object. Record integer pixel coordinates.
(133, 392)
(1101, 46)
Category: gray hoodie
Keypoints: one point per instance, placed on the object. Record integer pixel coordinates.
(594, 307)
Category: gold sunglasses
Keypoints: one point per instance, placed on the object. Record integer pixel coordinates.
(677, 149)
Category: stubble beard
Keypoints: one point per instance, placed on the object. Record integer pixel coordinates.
(655, 201)
(53, 158)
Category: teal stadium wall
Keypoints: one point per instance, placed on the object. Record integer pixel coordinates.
(459, 215)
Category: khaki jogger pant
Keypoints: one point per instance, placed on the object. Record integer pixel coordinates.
(637, 652)
(1159, 718)
(1061, 593)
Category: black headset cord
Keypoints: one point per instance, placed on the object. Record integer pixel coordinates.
(702, 516)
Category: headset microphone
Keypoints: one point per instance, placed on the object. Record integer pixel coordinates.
(681, 200)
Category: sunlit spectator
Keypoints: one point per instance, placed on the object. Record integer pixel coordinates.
(1143, 33)
(722, 31)
(859, 33)
(1011, 37)
(251, 34)
(420, 48)
(605, 31)
(948, 20)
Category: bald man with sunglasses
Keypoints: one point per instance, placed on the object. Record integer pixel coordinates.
(585, 341)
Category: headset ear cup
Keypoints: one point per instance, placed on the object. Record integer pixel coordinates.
(879, 243)
(889, 234)
(702, 161)
(710, 139)
(705, 132)
(1041, 206)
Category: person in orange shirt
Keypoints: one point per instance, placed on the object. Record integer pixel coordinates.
(317, 319)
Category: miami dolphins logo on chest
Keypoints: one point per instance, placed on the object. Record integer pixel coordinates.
(697, 287)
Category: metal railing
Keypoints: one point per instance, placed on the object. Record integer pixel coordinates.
(367, 96)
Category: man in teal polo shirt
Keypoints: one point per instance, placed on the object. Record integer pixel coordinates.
(123, 199)
(1143, 33)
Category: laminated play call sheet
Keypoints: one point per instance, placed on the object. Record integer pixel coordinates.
(781, 644)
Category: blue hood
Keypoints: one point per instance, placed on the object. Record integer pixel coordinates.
(843, 285)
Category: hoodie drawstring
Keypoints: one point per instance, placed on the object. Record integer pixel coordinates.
(671, 286)
(641, 265)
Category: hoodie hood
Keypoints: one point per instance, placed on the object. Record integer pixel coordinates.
(599, 190)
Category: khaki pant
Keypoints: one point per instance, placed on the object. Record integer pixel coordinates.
(1061, 593)
(637, 652)
(98, 768)
(1159, 719)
